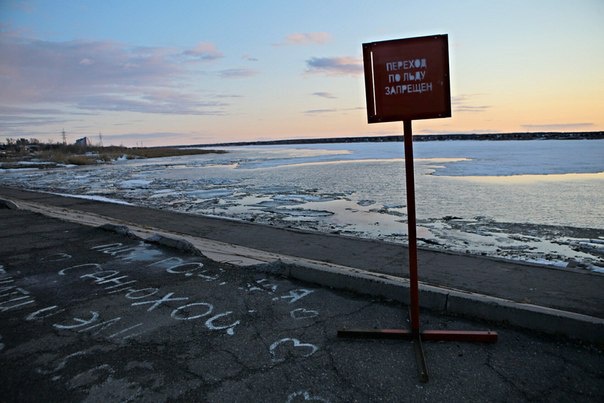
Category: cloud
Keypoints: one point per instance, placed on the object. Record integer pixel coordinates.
(237, 73)
(13, 117)
(322, 94)
(204, 51)
(470, 108)
(305, 38)
(101, 75)
(462, 103)
(558, 126)
(249, 58)
(156, 138)
(226, 96)
(339, 66)
(319, 111)
(141, 136)
(43, 71)
(5, 110)
(151, 104)
(331, 110)
(15, 121)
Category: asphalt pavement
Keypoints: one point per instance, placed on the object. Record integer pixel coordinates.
(544, 298)
(97, 314)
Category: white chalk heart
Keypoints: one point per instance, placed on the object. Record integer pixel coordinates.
(305, 396)
(303, 349)
(303, 313)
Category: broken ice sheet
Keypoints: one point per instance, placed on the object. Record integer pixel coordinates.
(552, 215)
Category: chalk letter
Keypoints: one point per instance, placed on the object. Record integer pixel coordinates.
(146, 292)
(116, 282)
(230, 328)
(158, 302)
(81, 322)
(194, 266)
(100, 275)
(103, 325)
(36, 315)
(126, 330)
(177, 316)
(295, 295)
(94, 266)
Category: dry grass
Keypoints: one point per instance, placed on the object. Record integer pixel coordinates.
(94, 155)
(61, 157)
(113, 153)
(158, 152)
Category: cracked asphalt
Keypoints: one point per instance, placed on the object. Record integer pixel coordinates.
(89, 314)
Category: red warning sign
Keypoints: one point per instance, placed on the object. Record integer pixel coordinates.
(407, 79)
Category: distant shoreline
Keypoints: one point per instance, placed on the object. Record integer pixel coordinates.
(421, 137)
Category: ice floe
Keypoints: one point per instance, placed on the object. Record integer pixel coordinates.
(466, 201)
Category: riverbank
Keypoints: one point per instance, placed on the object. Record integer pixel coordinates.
(44, 156)
(419, 137)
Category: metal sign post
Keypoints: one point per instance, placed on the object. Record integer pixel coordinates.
(408, 79)
(411, 228)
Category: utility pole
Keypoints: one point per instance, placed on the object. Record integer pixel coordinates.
(64, 137)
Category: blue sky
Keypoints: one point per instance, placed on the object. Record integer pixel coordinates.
(190, 72)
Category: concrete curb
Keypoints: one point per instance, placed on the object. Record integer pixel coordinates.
(450, 301)
(8, 204)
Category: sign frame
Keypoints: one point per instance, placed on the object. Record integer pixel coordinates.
(407, 79)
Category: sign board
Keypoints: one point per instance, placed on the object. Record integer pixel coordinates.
(407, 79)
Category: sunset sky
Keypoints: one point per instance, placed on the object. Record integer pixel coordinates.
(192, 71)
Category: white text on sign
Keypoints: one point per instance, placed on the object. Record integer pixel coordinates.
(411, 81)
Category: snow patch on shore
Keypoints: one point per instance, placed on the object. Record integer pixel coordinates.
(95, 198)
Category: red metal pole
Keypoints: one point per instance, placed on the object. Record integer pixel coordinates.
(412, 232)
